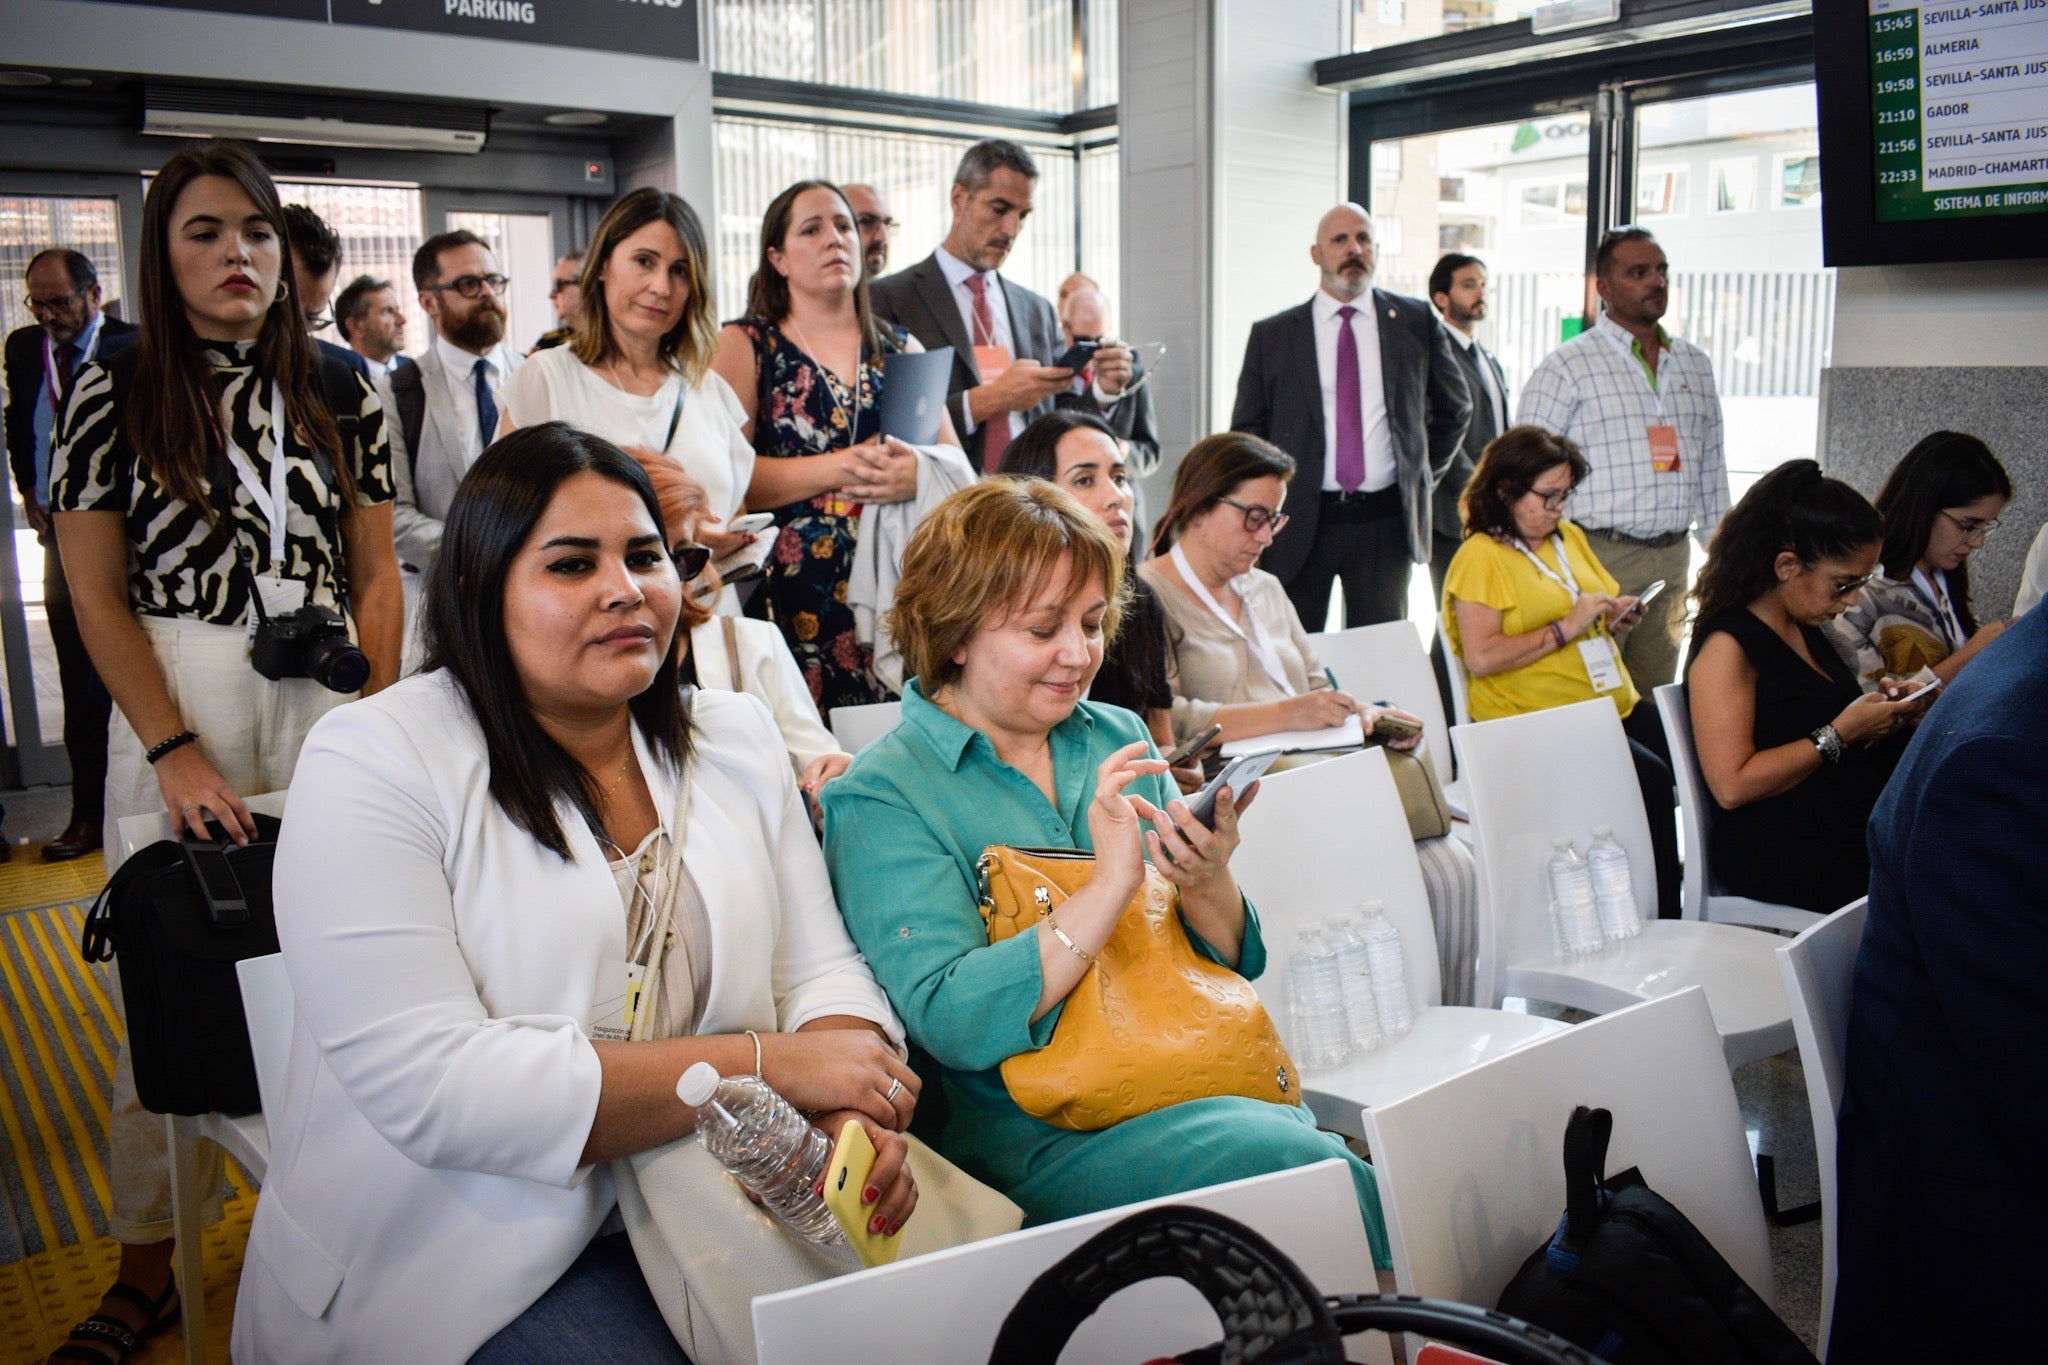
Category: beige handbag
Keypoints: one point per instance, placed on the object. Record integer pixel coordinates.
(1429, 817)
(706, 1250)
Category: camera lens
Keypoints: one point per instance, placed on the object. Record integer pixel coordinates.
(337, 664)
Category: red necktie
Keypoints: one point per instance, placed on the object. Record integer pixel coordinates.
(1350, 402)
(995, 433)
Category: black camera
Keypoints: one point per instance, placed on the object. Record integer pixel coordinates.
(311, 642)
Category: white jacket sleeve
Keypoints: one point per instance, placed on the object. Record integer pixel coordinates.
(771, 673)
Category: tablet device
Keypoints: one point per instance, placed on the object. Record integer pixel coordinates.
(914, 394)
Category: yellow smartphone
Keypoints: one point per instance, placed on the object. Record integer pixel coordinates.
(853, 1158)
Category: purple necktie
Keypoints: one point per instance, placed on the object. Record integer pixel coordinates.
(1350, 407)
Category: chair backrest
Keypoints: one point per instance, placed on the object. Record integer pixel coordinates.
(950, 1304)
(267, 1008)
(1386, 662)
(1533, 779)
(1461, 683)
(140, 831)
(1818, 967)
(1695, 802)
(1319, 839)
(856, 727)
(1471, 1171)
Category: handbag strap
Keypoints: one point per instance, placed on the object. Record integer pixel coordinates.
(732, 652)
(666, 893)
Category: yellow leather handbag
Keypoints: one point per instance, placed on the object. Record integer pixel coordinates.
(1152, 1022)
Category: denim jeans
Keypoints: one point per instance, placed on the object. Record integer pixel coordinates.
(599, 1311)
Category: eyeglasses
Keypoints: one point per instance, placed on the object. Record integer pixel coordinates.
(37, 307)
(559, 285)
(1257, 519)
(691, 560)
(471, 286)
(868, 222)
(1976, 532)
(1552, 502)
(316, 322)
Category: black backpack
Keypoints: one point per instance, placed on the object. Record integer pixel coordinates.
(176, 948)
(1628, 1277)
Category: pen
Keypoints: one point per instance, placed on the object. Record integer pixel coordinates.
(1332, 677)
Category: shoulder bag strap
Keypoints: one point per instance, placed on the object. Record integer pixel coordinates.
(732, 652)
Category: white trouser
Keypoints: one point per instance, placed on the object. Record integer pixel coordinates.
(412, 582)
(250, 728)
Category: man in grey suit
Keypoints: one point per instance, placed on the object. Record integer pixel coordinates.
(1457, 286)
(1364, 389)
(444, 408)
(1004, 337)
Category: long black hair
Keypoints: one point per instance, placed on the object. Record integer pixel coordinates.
(498, 504)
(1946, 469)
(1794, 507)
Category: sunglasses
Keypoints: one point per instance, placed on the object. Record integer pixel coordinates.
(1256, 519)
(471, 286)
(691, 560)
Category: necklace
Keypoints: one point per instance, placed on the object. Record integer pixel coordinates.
(831, 389)
(604, 801)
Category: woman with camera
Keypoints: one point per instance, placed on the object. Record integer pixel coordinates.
(223, 504)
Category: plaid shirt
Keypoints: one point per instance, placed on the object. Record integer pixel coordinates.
(1594, 390)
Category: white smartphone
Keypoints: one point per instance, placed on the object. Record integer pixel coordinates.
(1922, 690)
(1237, 774)
(1648, 595)
(751, 522)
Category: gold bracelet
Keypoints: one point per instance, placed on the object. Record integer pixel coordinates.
(1076, 949)
(757, 1056)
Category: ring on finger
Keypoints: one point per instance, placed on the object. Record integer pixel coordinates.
(895, 1085)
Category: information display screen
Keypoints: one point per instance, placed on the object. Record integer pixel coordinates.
(1959, 108)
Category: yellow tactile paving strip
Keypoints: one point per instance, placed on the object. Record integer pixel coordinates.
(26, 880)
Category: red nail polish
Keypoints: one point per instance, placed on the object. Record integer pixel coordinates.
(870, 1195)
(875, 1224)
(895, 1228)
(819, 1189)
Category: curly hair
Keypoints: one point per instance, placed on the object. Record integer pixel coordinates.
(1794, 507)
(1508, 468)
(1946, 469)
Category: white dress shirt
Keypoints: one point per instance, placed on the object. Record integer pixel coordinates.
(957, 272)
(1380, 469)
(1494, 398)
(461, 368)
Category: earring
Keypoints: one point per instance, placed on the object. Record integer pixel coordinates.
(284, 289)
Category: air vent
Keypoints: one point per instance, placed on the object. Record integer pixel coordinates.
(312, 119)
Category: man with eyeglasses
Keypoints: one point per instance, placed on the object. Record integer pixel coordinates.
(41, 359)
(447, 401)
(871, 218)
(1642, 406)
(565, 292)
(1361, 387)
(316, 266)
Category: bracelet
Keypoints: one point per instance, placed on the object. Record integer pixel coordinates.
(1558, 631)
(177, 741)
(1076, 949)
(757, 1056)
(1829, 742)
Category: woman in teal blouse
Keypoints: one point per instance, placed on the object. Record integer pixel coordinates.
(1002, 612)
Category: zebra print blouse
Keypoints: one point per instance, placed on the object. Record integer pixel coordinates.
(179, 564)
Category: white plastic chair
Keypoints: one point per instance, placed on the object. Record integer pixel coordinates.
(950, 1305)
(1386, 662)
(1818, 967)
(1461, 682)
(245, 1137)
(1704, 898)
(856, 727)
(1542, 776)
(1318, 840)
(1471, 1172)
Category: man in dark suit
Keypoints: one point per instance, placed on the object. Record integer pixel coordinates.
(1364, 389)
(316, 267)
(1084, 316)
(1457, 286)
(1004, 337)
(1938, 1158)
(41, 360)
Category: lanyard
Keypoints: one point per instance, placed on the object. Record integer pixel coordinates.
(1569, 582)
(50, 365)
(1259, 642)
(663, 902)
(271, 501)
(1945, 618)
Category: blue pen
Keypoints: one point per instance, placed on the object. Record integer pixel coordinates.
(1332, 677)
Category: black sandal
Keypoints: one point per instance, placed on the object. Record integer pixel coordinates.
(101, 1330)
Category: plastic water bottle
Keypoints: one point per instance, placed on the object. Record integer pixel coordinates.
(762, 1139)
(1571, 900)
(1389, 971)
(1354, 970)
(1612, 892)
(1315, 1000)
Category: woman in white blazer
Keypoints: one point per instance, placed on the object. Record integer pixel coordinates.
(463, 856)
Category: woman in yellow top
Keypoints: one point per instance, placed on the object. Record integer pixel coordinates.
(1537, 622)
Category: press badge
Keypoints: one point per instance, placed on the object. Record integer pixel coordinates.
(990, 362)
(279, 596)
(1601, 665)
(618, 1000)
(1664, 449)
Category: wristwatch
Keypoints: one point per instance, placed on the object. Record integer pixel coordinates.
(1828, 742)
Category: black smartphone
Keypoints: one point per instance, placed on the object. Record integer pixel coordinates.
(1077, 355)
(1193, 746)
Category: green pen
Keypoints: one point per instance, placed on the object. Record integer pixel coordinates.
(1332, 677)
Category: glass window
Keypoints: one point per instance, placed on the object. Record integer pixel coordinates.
(1747, 284)
(380, 229)
(31, 222)
(1378, 23)
(1104, 38)
(1660, 191)
(1101, 206)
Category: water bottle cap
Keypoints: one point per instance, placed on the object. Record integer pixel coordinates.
(698, 1085)
(1562, 844)
(1603, 831)
(1373, 910)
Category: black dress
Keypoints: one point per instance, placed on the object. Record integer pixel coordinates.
(1133, 673)
(1805, 847)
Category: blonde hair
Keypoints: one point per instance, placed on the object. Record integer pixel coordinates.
(688, 347)
(985, 552)
(683, 504)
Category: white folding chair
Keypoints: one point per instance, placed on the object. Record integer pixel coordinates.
(245, 1137)
(1704, 898)
(1818, 967)
(1461, 682)
(1387, 662)
(856, 727)
(1471, 1172)
(1318, 840)
(950, 1305)
(1542, 776)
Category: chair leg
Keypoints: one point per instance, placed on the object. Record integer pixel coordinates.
(1767, 1187)
(187, 1200)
